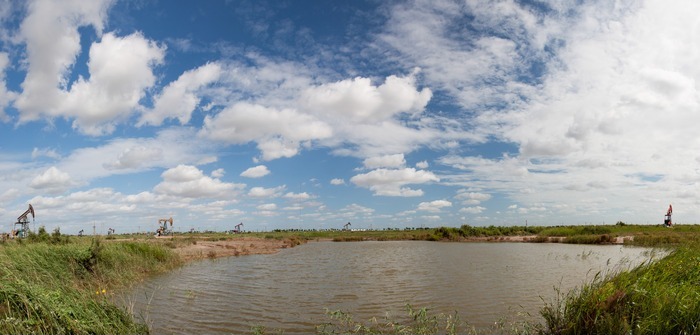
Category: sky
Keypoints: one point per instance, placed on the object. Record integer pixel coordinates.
(312, 114)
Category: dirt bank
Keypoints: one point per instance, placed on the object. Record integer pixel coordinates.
(202, 249)
(535, 238)
(233, 247)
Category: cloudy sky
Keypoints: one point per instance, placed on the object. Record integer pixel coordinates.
(312, 114)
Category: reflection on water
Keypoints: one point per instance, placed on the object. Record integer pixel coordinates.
(482, 282)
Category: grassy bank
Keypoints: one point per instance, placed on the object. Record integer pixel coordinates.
(61, 285)
(661, 297)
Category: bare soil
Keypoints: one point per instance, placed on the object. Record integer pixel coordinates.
(233, 247)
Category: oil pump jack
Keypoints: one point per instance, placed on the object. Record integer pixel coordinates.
(237, 229)
(23, 222)
(345, 226)
(667, 217)
(163, 228)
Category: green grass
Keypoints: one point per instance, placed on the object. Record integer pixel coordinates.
(661, 297)
(66, 286)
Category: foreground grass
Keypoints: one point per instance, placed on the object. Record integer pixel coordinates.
(661, 297)
(65, 286)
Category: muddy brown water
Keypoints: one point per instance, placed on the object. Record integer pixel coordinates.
(291, 290)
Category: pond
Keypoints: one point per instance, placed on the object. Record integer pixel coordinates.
(291, 290)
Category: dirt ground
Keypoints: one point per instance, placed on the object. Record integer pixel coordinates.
(233, 247)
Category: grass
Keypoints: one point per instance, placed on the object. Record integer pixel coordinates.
(62, 285)
(661, 297)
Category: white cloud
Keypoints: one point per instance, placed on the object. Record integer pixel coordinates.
(391, 182)
(190, 182)
(119, 67)
(262, 192)
(277, 132)
(337, 181)
(387, 161)
(135, 157)
(6, 97)
(422, 165)
(472, 210)
(356, 209)
(256, 172)
(218, 173)
(118, 80)
(434, 206)
(50, 153)
(472, 198)
(358, 101)
(267, 207)
(297, 196)
(180, 98)
(50, 31)
(53, 180)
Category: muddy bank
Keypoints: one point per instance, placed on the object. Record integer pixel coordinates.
(536, 238)
(201, 249)
(234, 247)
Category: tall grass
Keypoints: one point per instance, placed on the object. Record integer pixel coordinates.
(66, 287)
(661, 297)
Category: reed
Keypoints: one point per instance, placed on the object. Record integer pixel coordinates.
(67, 287)
(660, 297)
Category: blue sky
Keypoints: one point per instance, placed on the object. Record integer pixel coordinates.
(312, 114)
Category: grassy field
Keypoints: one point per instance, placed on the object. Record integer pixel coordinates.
(57, 284)
(54, 284)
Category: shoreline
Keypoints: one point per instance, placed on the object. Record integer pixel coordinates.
(243, 246)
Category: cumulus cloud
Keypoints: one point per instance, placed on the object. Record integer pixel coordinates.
(267, 207)
(262, 192)
(135, 157)
(277, 132)
(53, 180)
(387, 161)
(472, 210)
(190, 182)
(422, 165)
(120, 70)
(358, 101)
(472, 198)
(47, 152)
(434, 206)
(256, 172)
(117, 82)
(391, 182)
(218, 173)
(297, 196)
(337, 181)
(50, 32)
(180, 98)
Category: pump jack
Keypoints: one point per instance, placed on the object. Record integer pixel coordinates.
(23, 222)
(237, 228)
(345, 226)
(163, 229)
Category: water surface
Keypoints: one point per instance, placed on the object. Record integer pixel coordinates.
(482, 282)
